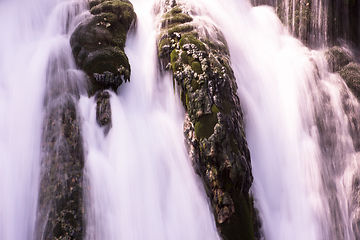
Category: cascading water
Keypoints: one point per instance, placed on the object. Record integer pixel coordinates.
(301, 126)
(36, 65)
(142, 185)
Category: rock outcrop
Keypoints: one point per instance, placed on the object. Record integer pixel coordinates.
(213, 126)
(98, 43)
(98, 47)
(61, 203)
(342, 61)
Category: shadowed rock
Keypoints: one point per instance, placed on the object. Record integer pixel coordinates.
(213, 126)
(103, 110)
(98, 43)
(60, 207)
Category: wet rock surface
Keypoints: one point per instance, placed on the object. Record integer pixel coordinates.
(98, 43)
(103, 110)
(61, 206)
(343, 62)
(213, 126)
(60, 210)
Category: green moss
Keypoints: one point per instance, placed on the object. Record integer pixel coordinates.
(240, 225)
(215, 109)
(181, 28)
(195, 85)
(163, 42)
(175, 66)
(204, 127)
(176, 19)
(351, 75)
(174, 56)
(196, 66)
(187, 101)
(106, 59)
(176, 10)
(123, 10)
(192, 39)
(184, 57)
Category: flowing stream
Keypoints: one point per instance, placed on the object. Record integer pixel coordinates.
(301, 124)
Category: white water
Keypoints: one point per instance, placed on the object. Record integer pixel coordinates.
(140, 182)
(33, 36)
(302, 151)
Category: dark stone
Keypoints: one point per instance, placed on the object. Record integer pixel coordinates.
(103, 110)
(98, 44)
(60, 197)
(338, 57)
(213, 126)
(351, 75)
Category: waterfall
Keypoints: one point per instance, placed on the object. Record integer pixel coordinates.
(301, 123)
(142, 184)
(298, 119)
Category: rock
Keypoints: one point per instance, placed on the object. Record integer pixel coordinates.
(103, 110)
(213, 127)
(338, 57)
(351, 75)
(61, 203)
(98, 43)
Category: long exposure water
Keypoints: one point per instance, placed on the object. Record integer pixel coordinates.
(301, 127)
(141, 179)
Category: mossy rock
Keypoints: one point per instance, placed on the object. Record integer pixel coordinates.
(337, 58)
(351, 75)
(183, 28)
(213, 125)
(240, 226)
(176, 19)
(204, 127)
(124, 11)
(98, 44)
(191, 38)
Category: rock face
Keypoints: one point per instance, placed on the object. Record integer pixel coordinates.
(60, 207)
(214, 123)
(98, 43)
(61, 188)
(343, 62)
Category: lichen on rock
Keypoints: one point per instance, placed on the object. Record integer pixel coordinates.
(213, 127)
(98, 43)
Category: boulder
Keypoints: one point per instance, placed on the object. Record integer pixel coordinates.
(98, 43)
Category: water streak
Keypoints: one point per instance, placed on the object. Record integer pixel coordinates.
(142, 185)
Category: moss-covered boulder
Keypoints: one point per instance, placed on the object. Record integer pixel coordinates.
(98, 43)
(214, 122)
